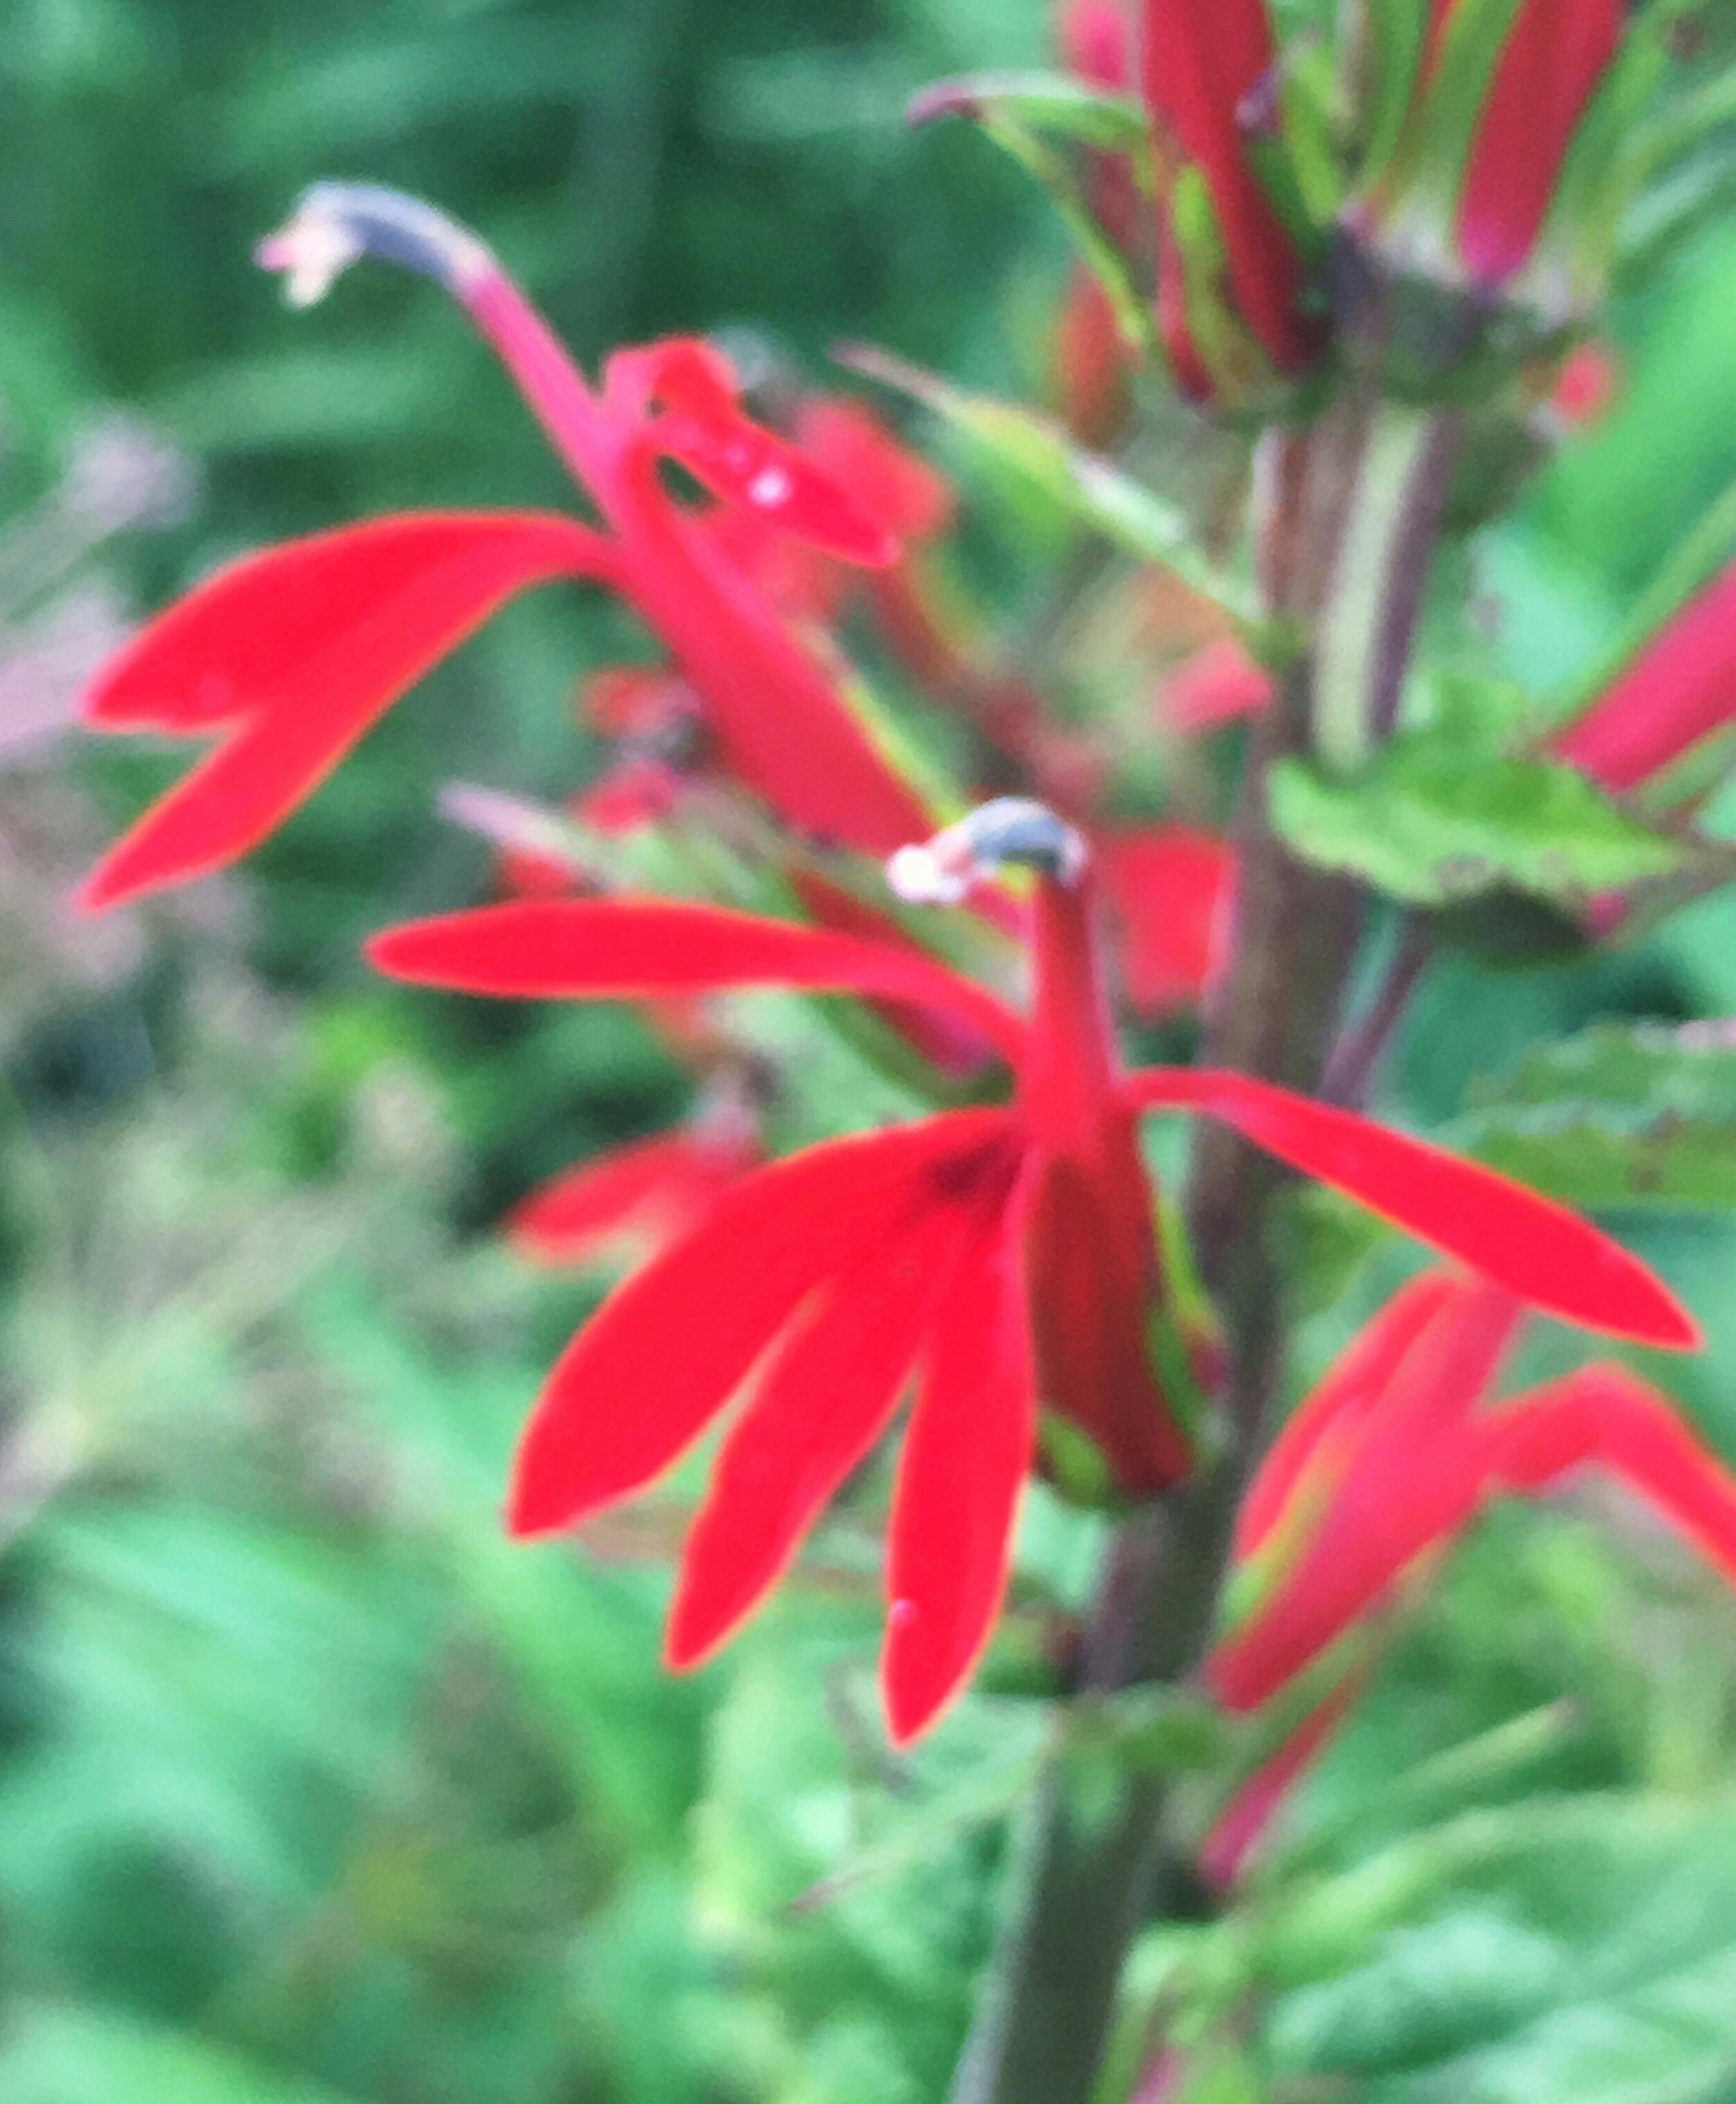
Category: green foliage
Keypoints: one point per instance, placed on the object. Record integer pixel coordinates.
(1624, 1115)
(313, 1788)
(1435, 822)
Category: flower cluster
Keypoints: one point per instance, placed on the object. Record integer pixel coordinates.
(1468, 157)
(1386, 1463)
(998, 1260)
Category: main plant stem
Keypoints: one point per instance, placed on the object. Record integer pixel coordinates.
(1096, 1848)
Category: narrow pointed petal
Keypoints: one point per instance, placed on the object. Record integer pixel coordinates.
(1546, 1255)
(615, 949)
(1409, 1479)
(827, 1399)
(1201, 68)
(954, 1512)
(937, 1034)
(747, 466)
(778, 706)
(1679, 689)
(647, 1192)
(1354, 1386)
(670, 1346)
(1605, 1417)
(1550, 67)
(292, 656)
(1246, 1823)
(368, 608)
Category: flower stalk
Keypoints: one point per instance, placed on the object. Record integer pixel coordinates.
(1349, 512)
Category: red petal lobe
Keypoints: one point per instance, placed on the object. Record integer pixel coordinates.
(1539, 1251)
(964, 1463)
(623, 949)
(297, 653)
(671, 1345)
(827, 1398)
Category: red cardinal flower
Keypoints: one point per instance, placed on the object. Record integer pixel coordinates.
(1554, 55)
(1206, 72)
(994, 1256)
(1679, 690)
(289, 657)
(1387, 1462)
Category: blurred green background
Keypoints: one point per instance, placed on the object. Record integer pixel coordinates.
(313, 1791)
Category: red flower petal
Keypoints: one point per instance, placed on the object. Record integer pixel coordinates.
(1680, 688)
(649, 1191)
(1414, 1478)
(1245, 1822)
(1170, 887)
(295, 652)
(621, 949)
(964, 1463)
(1201, 67)
(1095, 41)
(1354, 1386)
(1549, 1257)
(935, 1033)
(1554, 55)
(670, 1346)
(828, 1396)
(744, 464)
(684, 373)
(780, 716)
(892, 484)
(1606, 1417)
(703, 426)
(1092, 1281)
(1219, 684)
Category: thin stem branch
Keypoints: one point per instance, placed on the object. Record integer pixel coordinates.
(1358, 1055)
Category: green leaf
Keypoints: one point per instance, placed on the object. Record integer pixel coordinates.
(63, 2056)
(1090, 488)
(1581, 1948)
(1040, 102)
(1435, 823)
(1624, 1114)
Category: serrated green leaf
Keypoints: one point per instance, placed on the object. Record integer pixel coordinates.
(1435, 823)
(1624, 1114)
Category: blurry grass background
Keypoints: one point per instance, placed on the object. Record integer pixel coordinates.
(312, 1791)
